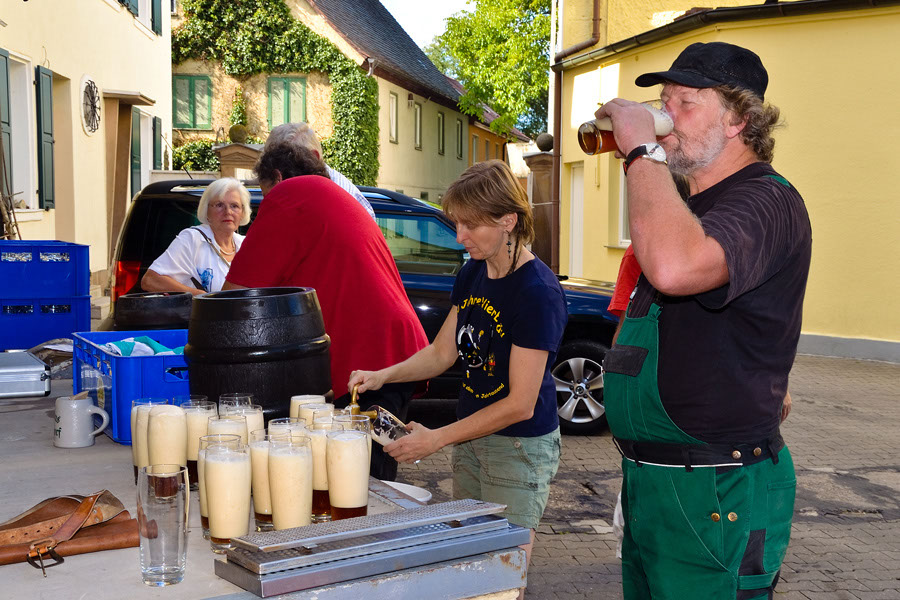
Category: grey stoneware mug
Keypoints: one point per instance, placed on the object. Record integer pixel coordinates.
(74, 422)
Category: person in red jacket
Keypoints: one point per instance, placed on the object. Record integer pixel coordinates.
(311, 233)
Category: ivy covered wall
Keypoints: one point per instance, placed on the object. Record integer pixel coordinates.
(260, 36)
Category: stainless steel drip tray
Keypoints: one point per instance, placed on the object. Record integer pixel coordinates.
(357, 527)
(368, 565)
(263, 562)
(279, 562)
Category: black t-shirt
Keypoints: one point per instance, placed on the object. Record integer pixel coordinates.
(725, 355)
(526, 308)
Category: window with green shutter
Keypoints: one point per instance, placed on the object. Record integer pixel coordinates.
(135, 151)
(157, 143)
(287, 100)
(156, 17)
(192, 102)
(43, 83)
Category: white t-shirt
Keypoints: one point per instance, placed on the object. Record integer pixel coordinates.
(347, 185)
(190, 255)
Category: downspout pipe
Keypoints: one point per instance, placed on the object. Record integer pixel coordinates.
(557, 129)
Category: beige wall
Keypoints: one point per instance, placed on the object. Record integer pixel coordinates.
(318, 100)
(415, 171)
(100, 39)
(852, 200)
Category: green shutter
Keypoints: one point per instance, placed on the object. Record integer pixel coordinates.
(297, 105)
(43, 81)
(135, 151)
(132, 6)
(202, 95)
(156, 17)
(181, 102)
(5, 121)
(157, 143)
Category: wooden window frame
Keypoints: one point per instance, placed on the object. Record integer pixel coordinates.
(286, 87)
(192, 97)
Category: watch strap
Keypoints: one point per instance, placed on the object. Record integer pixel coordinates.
(633, 156)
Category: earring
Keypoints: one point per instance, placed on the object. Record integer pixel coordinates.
(508, 246)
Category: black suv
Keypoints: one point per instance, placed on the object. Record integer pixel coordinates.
(423, 242)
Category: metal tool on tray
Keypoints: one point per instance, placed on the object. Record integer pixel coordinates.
(279, 562)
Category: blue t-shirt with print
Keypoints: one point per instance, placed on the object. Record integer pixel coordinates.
(526, 308)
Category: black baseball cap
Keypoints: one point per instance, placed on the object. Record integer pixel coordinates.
(712, 64)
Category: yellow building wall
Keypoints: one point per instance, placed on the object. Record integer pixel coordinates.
(830, 76)
(402, 166)
(100, 39)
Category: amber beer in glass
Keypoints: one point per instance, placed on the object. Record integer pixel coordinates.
(347, 462)
(596, 136)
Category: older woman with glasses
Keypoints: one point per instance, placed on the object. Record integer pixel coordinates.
(508, 323)
(198, 260)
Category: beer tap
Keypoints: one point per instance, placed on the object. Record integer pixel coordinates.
(354, 405)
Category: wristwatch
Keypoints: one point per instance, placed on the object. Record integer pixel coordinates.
(653, 151)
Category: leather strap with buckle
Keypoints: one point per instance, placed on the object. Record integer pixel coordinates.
(70, 527)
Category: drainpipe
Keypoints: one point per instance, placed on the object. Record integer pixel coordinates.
(557, 130)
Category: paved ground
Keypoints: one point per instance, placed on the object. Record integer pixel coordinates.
(845, 544)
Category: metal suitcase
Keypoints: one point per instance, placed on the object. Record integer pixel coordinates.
(23, 374)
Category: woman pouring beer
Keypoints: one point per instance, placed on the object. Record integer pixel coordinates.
(509, 317)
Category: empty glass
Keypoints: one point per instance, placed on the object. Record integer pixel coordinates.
(162, 514)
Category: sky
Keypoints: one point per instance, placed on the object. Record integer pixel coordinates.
(424, 19)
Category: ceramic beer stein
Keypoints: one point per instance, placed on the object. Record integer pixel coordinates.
(74, 426)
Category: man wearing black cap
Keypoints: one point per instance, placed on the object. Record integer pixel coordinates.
(695, 382)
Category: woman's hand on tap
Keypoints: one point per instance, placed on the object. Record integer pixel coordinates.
(367, 380)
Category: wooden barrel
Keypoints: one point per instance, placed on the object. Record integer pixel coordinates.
(270, 342)
(152, 310)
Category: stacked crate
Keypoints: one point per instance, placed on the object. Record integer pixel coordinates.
(44, 292)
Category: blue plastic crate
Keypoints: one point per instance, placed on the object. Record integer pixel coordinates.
(43, 269)
(115, 381)
(27, 322)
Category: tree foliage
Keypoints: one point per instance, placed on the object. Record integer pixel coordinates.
(501, 53)
(261, 36)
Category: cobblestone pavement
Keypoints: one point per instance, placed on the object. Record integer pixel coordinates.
(844, 434)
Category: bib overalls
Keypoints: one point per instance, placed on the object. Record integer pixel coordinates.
(693, 530)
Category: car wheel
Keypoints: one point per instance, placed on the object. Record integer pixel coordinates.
(578, 376)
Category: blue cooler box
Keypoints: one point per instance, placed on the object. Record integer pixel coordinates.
(115, 381)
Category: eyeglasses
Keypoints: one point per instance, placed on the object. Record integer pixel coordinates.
(223, 206)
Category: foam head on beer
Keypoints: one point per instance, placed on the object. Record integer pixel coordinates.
(596, 137)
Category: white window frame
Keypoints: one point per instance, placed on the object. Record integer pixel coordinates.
(23, 143)
(146, 148)
(576, 220)
(417, 128)
(393, 115)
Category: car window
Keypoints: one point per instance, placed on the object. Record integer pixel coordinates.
(422, 244)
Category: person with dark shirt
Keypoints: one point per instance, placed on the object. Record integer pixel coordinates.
(694, 385)
(510, 314)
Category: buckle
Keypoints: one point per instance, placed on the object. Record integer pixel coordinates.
(35, 559)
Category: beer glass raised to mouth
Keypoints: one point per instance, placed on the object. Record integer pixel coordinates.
(297, 401)
(236, 424)
(290, 481)
(140, 416)
(318, 441)
(347, 464)
(596, 136)
(228, 481)
(204, 442)
(167, 435)
(259, 460)
(197, 411)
